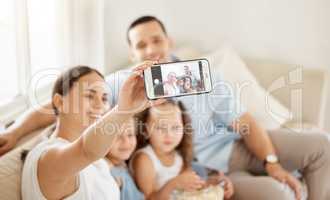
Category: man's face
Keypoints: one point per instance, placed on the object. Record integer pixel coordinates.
(149, 42)
(172, 77)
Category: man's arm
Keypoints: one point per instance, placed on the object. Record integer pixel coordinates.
(255, 137)
(259, 143)
(30, 121)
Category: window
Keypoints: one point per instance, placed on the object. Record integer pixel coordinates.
(42, 34)
(29, 46)
(38, 39)
(46, 40)
(9, 72)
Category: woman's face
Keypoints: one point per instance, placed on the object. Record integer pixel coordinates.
(180, 82)
(187, 83)
(165, 127)
(85, 102)
(125, 144)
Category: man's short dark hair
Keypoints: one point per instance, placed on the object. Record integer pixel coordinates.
(142, 20)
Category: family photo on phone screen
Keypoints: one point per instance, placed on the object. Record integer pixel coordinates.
(177, 80)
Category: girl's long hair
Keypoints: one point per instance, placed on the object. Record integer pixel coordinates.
(185, 147)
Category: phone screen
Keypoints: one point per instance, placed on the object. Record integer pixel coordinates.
(178, 79)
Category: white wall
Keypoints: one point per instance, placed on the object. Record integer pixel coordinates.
(295, 31)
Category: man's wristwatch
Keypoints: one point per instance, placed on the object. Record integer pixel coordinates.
(270, 159)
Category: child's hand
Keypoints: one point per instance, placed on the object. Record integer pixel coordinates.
(225, 182)
(188, 180)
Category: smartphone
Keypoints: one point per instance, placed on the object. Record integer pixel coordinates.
(178, 79)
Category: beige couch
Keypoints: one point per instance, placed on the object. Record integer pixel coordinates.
(313, 85)
(314, 98)
(314, 90)
(11, 164)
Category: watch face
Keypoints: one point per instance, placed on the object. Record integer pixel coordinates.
(272, 159)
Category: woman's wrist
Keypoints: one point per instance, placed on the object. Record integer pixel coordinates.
(112, 122)
(118, 109)
(98, 138)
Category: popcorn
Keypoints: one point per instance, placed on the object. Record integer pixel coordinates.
(211, 193)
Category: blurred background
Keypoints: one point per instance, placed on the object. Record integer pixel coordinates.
(40, 37)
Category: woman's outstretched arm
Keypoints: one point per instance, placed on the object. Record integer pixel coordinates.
(58, 165)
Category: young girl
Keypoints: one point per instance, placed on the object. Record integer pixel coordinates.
(121, 150)
(162, 164)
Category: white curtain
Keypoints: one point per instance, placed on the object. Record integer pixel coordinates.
(55, 34)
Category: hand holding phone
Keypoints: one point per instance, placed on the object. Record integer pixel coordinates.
(178, 79)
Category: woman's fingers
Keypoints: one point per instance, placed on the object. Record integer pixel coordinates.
(157, 102)
(136, 76)
(138, 70)
(133, 95)
(144, 65)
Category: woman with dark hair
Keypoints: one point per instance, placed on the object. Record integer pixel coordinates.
(187, 85)
(180, 83)
(71, 165)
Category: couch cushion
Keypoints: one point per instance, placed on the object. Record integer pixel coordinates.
(11, 166)
(267, 110)
(308, 85)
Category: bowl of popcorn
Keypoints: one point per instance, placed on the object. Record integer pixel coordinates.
(211, 192)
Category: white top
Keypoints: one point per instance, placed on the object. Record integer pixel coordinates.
(171, 89)
(163, 173)
(95, 181)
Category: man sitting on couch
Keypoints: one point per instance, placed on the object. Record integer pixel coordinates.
(258, 163)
